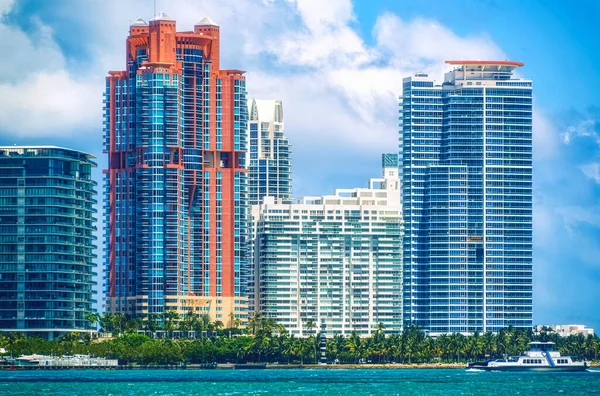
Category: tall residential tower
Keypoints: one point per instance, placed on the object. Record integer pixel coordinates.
(176, 186)
(269, 170)
(47, 250)
(466, 171)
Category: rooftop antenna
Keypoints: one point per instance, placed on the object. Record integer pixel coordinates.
(154, 9)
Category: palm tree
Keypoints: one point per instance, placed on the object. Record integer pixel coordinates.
(113, 322)
(457, 344)
(268, 325)
(204, 322)
(335, 347)
(93, 318)
(289, 347)
(219, 324)
(260, 344)
(443, 346)
(237, 322)
(488, 344)
(474, 346)
(502, 341)
(132, 324)
(188, 323)
(413, 339)
(254, 323)
(170, 317)
(151, 323)
(315, 340)
(310, 325)
(301, 346)
(355, 346)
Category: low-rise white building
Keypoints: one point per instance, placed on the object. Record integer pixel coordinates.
(567, 330)
(335, 261)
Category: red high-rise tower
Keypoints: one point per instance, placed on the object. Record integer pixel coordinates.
(175, 187)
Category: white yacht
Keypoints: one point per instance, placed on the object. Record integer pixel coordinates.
(540, 357)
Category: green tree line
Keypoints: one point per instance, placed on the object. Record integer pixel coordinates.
(265, 341)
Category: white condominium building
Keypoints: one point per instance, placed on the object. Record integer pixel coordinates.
(269, 169)
(335, 261)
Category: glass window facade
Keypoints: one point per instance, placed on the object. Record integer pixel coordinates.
(47, 250)
(176, 188)
(269, 169)
(333, 260)
(466, 165)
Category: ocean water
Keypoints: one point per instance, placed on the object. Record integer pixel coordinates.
(296, 382)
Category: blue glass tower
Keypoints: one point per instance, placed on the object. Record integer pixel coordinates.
(176, 187)
(466, 163)
(47, 250)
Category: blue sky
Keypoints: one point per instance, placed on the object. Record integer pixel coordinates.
(337, 65)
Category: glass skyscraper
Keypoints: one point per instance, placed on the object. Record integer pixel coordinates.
(466, 171)
(176, 185)
(47, 251)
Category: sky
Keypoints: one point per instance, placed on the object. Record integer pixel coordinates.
(337, 65)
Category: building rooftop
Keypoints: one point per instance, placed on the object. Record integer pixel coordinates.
(485, 63)
(139, 22)
(163, 16)
(46, 147)
(265, 110)
(206, 21)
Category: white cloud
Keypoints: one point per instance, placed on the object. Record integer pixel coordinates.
(592, 171)
(354, 86)
(336, 87)
(585, 128)
(5, 6)
(50, 104)
(424, 44)
(545, 136)
(38, 96)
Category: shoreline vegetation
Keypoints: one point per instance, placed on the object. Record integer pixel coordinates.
(265, 343)
(383, 366)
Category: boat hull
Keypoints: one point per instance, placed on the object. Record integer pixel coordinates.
(521, 368)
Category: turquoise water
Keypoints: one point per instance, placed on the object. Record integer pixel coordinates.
(295, 382)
